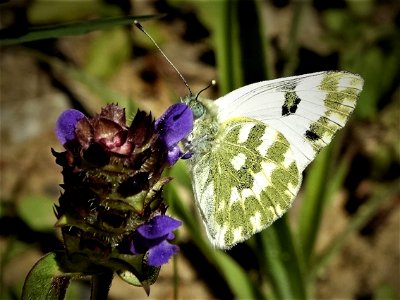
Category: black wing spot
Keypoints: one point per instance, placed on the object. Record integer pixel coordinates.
(291, 103)
(285, 110)
(311, 135)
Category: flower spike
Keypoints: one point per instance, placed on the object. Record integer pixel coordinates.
(112, 207)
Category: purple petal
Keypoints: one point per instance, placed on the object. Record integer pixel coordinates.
(161, 253)
(158, 226)
(174, 154)
(175, 124)
(141, 244)
(187, 155)
(65, 125)
(170, 236)
(134, 249)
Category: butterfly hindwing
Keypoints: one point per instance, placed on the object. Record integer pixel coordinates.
(245, 182)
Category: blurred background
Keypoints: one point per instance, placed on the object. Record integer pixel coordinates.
(340, 240)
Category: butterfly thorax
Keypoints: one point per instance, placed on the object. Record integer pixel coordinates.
(205, 127)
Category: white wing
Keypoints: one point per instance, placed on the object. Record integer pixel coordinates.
(306, 109)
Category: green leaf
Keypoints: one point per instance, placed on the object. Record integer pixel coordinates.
(251, 44)
(311, 212)
(325, 176)
(238, 280)
(291, 258)
(380, 70)
(37, 212)
(46, 280)
(292, 53)
(225, 40)
(270, 258)
(135, 270)
(72, 28)
(279, 257)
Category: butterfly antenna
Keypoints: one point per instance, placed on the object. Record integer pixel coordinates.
(138, 25)
(212, 83)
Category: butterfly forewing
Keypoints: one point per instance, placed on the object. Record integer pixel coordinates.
(306, 109)
(251, 146)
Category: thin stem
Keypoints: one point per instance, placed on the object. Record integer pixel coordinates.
(291, 54)
(175, 276)
(101, 284)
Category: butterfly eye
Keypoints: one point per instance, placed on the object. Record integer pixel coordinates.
(198, 109)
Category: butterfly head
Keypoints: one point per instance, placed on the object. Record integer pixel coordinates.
(196, 106)
(205, 125)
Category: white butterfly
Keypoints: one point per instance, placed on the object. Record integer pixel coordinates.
(251, 146)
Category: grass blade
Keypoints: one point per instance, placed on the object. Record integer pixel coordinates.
(271, 264)
(291, 258)
(311, 211)
(235, 276)
(382, 193)
(71, 28)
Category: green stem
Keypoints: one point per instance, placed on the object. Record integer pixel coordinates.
(269, 254)
(175, 276)
(291, 54)
(292, 260)
(101, 284)
(311, 213)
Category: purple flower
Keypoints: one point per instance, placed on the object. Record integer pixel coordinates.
(173, 126)
(106, 162)
(153, 236)
(66, 123)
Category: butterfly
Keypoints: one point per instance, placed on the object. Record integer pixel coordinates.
(250, 147)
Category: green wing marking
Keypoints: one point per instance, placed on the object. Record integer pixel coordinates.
(245, 182)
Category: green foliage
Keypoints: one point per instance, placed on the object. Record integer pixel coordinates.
(290, 264)
(46, 279)
(380, 47)
(30, 208)
(108, 52)
(72, 28)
